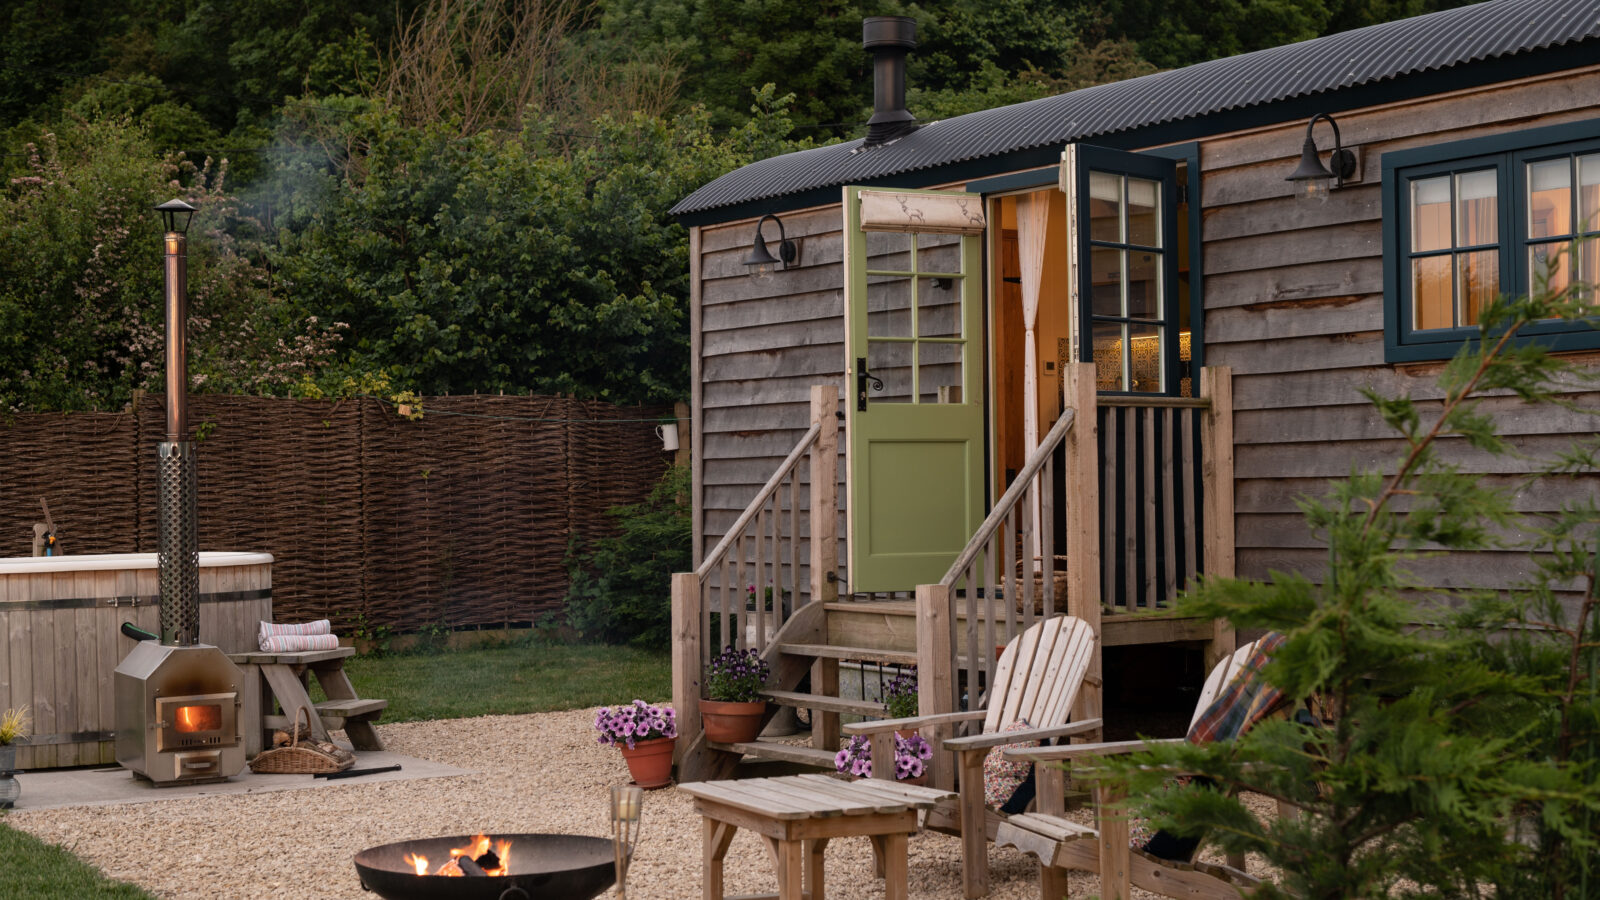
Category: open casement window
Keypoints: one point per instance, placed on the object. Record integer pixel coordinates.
(1123, 247)
(914, 413)
(1471, 221)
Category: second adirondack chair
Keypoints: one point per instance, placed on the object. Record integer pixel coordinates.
(1062, 845)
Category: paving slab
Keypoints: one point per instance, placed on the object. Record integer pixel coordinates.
(110, 785)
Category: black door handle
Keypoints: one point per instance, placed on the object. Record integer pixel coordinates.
(862, 377)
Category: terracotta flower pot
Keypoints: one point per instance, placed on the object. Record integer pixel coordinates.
(731, 723)
(650, 762)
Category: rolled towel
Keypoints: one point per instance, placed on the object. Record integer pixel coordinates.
(294, 643)
(275, 629)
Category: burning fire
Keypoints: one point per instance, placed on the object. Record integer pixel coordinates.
(199, 718)
(495, 862)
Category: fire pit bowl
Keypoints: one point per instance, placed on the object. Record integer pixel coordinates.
(553, 866)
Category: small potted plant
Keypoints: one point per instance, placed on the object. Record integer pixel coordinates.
(900, 695)
(911, 755)
(733, 708)
(13, 728)
(646, 736)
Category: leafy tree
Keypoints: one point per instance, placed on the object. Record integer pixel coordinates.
(515, 262)
(81, 282)
(1430, 744)
(621, 586)
(969, 53)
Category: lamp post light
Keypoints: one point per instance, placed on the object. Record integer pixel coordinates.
(179, 539)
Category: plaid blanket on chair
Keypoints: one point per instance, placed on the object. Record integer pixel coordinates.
(1244, 701)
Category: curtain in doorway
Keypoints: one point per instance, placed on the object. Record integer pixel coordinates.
(1033, 218)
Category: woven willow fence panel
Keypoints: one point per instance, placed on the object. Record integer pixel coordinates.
(459, 519)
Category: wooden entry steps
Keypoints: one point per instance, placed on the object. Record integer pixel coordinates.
(792, 753)
(824, 703)
(871, 654)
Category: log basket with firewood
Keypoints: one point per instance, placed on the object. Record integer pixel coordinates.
(301, 757)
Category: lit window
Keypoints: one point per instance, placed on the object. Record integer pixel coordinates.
(1471, 221)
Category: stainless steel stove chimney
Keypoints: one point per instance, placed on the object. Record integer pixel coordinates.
(178, 702)
(179, 542)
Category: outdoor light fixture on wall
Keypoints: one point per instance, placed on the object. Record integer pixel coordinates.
(761, 259)
(1312, 177)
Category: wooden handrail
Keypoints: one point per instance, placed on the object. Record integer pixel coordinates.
(1154, 402)
(715, 556)
(1009, 499)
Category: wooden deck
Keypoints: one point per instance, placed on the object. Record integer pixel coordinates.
(891, 625)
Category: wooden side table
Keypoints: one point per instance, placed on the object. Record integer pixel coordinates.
(798, 814)
(286, 678)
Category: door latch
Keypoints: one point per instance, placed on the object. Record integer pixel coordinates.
(862, 377)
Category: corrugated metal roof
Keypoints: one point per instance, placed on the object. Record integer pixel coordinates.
(1365, 56)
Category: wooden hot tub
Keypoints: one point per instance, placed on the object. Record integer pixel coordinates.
(60, 620)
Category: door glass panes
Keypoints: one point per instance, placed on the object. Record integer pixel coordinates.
(1455, 230)
(1144, 284)
(1105, 207)
(1144, 212)
(1127, 296)
(938, 308)
(888, 306)
(1109, 341)
(938, 252)
(938, 372)
(891, 362)
(915, 297)
(1105, 268)
(1144, 361)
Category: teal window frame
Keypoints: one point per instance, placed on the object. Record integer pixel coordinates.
(1508, 155)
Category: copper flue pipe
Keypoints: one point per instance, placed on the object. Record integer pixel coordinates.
(177, 354)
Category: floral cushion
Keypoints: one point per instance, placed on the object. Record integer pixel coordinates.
(1001, 776)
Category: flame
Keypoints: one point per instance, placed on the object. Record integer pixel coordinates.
(199, 718)
(477, 847)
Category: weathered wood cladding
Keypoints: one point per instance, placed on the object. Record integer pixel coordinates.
(762, 344)
(1294, 302)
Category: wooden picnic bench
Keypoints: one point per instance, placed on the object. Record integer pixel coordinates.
(285, 678)
(798, 814)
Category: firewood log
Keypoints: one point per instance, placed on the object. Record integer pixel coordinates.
(468, 867)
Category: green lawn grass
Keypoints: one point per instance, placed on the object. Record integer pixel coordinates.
(34, 870)
(521, 677)
(511, 679)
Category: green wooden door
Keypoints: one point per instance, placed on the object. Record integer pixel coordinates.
(914, 412)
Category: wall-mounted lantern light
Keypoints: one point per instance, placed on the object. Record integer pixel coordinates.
(761, 259)
(1312, 179)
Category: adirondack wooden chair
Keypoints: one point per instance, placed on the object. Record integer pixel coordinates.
(1062, 845)
(1037, 679)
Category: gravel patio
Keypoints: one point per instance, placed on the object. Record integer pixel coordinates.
(537, 773)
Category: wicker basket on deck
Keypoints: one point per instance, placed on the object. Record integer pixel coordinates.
(301, 759)
(1058, 581)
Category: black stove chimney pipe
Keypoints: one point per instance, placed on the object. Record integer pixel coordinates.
(889, 38)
